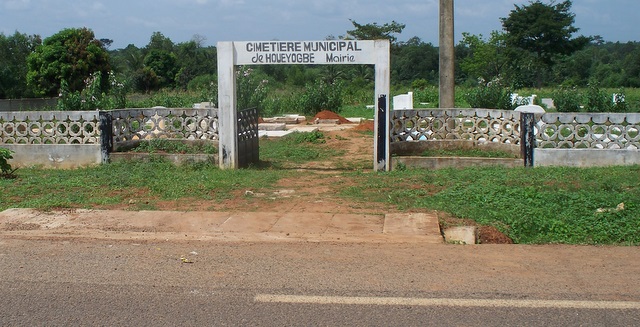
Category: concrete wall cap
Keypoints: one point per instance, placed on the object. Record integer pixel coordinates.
(531, 108)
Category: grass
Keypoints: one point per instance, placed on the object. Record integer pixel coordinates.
(353, 111)
(174, 146)
(117, 183)
(534, 206)
(541, 205)
(296, 148)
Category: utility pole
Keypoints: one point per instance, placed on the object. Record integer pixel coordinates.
(447, 55)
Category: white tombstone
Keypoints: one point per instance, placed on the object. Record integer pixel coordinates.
(618, 98)
(522, 100)
(403, 101)
(548, 102)
(514, 98)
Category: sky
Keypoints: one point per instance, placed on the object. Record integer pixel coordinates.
(134, 21)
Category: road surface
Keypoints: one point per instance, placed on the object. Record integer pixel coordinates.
(59, 281)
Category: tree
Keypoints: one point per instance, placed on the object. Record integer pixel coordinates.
(152, 67)
(71, 55)
(162, 64)
(127, 61)
(541, 32)
(194, 60)
(160, 42)
(375, 31)
(14, 51)
(106, 43)
(487, 59)
(413, 60)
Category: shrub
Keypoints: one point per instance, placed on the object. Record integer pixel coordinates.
(251, 89)
(320, 96)
(315, 137)
(206, 86)
(93, 96)
(619, 102)
(279, 104)
(567, 99)
(597, 100)
(428, 94)
(5, 167)
(492, 95)
(419, 84)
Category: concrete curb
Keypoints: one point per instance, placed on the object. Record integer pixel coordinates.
(221, 226)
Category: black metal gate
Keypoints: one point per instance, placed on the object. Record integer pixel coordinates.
(248, 139)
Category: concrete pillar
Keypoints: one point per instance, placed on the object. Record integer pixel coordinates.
(382, 86)
(227, 111)
(447, 55)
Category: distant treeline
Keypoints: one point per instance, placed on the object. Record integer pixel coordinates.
(162, 64)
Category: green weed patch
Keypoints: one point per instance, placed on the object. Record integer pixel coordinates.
(174, 146)
(296, 148)
(541, 205)
(119, 182)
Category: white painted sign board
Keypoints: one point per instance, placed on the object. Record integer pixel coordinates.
(305, 52)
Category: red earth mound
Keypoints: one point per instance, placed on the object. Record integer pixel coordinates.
(326, 114)
(366, 125)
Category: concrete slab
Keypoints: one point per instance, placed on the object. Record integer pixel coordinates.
(219, 226)
(302, 222)
(250, 222)
(461, 234)
(273, 133)
(326, 121)
(272, 126)
(193, 221)
(411, 224)
(355, 223)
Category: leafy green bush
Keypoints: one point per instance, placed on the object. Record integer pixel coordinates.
(94, 96)
(492, 95)
(428, 94)
(167, 99)
(419, 84)
(5, 167)
(315, 137)
(320, 96)
(596, 99)
(352, 95)
(567, 99)
(251, 89)
(206, 86)
(280, 103)
(174, 146)
(619, 102)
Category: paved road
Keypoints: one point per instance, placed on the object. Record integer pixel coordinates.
(80, 281)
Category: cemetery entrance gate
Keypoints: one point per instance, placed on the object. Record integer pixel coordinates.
(328, 52)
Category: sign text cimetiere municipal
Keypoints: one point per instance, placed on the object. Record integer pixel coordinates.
(304, 52)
